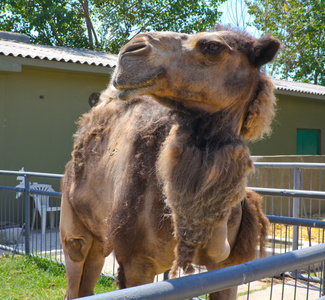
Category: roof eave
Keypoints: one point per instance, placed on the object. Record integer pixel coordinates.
(14, 64)
(299, 94)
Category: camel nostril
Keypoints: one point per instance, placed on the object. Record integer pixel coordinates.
(136, 49)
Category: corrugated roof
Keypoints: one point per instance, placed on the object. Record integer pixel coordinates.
(62, 54)
(299, 87)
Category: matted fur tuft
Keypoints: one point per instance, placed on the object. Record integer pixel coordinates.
(260, 111)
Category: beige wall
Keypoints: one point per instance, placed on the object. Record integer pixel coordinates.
(292, 113)
(37, 133)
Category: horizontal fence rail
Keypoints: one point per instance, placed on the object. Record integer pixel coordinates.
(204, 283)
(290, 165)
(289, 193)
(296, 221)
(31, 174)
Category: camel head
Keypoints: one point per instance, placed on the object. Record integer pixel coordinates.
(206, 72)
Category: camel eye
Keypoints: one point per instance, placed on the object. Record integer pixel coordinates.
(212, 48)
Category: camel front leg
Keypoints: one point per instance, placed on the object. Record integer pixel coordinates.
(135, 271)
(91, 269)
(74, 273)
(76, 242)
(213, 257)
(228, 294)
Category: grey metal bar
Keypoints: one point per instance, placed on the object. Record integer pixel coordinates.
(290, 165)
(295, 207)
(323, 279)
(262, 191)
(289, 193)
(31, 174)
(12, 188)
(31, 191)
(27, 216)
(296, 221)
(208, 282)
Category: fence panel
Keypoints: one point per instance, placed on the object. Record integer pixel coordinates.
(294, 176)
(24, 205)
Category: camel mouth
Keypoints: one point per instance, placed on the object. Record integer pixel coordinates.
(121, 84)
(128, 89)
(127, 92)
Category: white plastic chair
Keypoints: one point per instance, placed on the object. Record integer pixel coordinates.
(42, 205)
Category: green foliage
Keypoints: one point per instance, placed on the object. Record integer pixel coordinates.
(300, 25)
(24, 277)
(47, 22)
(122, 19)
(103, 24)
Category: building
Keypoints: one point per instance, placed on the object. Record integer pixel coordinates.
(43, 92)
(299, 125)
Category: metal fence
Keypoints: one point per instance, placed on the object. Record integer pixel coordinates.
(196, 285)
(284, 185)
(288, 189)
(22, 206)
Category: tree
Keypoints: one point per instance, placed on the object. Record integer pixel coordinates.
(48, 22)
(300, 25)
(103, 24)
(122, 19)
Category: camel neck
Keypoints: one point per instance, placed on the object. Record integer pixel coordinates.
(209, 131)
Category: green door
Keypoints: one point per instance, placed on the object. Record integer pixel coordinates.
(308, 142)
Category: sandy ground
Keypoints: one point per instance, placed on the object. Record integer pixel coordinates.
(261, 290)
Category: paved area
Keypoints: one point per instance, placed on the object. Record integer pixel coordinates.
(262, 290)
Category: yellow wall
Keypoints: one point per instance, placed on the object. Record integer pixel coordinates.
(292, 113)
(37, 133)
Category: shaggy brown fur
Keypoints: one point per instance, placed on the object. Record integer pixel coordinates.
(159, 179)
(203, 177)
(253, 231)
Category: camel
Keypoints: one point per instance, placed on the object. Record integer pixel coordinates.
(159, 166)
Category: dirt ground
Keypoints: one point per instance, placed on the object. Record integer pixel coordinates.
(265, 289)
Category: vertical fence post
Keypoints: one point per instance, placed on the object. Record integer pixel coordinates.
(27, 216)
(323, 279)
(295, 207)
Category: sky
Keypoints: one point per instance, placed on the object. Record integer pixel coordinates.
(235, 13)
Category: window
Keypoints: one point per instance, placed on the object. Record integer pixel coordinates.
(308, 141)
(93, 99)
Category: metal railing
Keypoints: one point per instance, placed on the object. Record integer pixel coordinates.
(292, 181)
(16, 213)
(294, 173)
(285, 181)
(195, 285)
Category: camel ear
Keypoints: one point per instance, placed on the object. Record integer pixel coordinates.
(260, 112)
(265, 50)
